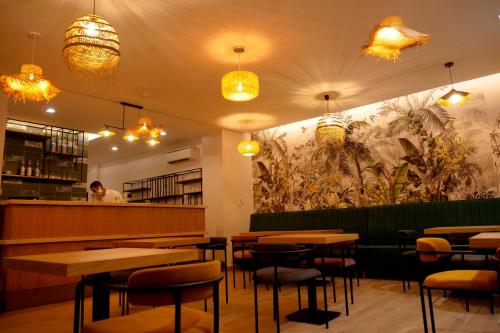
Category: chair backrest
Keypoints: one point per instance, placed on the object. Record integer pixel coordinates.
(171, 276)
(432, 244)
(275, 254)
(218, 240)
(407, 238)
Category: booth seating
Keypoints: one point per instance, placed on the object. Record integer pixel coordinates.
(378, 226)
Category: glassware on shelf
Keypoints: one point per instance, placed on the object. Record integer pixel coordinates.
(37, 169)
(29, 169)
(22, 168)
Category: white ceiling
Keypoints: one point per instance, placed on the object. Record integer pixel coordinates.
(176, 51)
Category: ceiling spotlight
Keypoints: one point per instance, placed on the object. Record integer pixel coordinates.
(114, 148)
(163, 133)
(50, 110)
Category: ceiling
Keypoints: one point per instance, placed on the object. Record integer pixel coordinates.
(174, 54)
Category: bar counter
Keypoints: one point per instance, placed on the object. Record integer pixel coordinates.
(40, 226)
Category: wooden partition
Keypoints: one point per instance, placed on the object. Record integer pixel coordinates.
(33, 227)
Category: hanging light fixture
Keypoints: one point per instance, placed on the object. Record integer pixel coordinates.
(29, 85)
(240, 86)
(106, 132)
(248, 148)
(453, 97)
(330, 128)
(391, 36)
(130, 136)
(91, 46)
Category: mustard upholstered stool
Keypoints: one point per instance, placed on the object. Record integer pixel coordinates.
(431, 250)
(163, 287)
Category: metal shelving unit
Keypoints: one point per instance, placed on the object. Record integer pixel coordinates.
(181, 188)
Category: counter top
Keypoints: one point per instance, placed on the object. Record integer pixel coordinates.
(91, 203)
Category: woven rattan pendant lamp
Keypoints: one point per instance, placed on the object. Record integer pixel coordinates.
(330, 128)
(91, 46)
(29, 85)
(240, 86)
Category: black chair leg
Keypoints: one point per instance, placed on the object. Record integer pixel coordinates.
(256, 307)
(334, 289)
(225, 274)
(298, 296)
(345, 294)
(409, 285)
(351, 287)
(467, 303)
(357, 277)
(277, 307)
(82, 306)
(492, 305)
(325, 301)
(234, 270)
(422, 302)
(244, 279)
(431, 310)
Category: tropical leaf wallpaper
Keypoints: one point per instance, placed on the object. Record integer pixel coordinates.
(407, 149)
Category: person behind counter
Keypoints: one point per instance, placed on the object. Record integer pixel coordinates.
(100, 193)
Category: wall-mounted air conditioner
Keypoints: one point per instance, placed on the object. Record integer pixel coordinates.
(183, 154)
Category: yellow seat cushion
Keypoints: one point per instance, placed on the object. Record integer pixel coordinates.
(479, 280)
(158, 320)
(242, 254)
(433, 244)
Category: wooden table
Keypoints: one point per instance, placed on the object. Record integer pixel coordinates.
(288, 232)
(461, 229)
(485, 240)
(164, 242)
(312, 314)
(98, 263)
(310, 239)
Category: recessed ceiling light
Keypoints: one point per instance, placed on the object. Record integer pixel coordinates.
(114, 148)
(50, 110)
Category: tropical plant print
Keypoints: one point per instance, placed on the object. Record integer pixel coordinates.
(408, 149)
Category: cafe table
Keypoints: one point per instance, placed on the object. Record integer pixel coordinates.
(163, 242)
(98, 263)
(312, 314)
(485, 241)
(461, 229)
(288, 232)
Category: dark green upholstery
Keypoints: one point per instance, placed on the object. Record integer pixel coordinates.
(378, 226)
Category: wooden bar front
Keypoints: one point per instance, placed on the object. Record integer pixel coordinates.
(34, 227)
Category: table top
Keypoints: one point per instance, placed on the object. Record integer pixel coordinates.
(461, 229)
(98, 261)
(312, 239)
(161, 242)
(485, 240)
(288, 232)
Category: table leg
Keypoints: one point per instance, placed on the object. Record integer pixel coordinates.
(312, 315)
(100, 297)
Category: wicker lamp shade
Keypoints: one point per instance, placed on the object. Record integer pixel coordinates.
(240, 86)
(91, 46)
(248, 148)
(390, 37)
(29, 85)
(330, 130)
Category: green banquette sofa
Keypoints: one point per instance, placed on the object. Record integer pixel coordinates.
(378, 226)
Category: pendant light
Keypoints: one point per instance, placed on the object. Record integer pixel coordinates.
(29, 85)
(330, 128)
(91, 46)
(391, 36)
(453, 97)
(248, 148)
(106, 132)
(240, 86)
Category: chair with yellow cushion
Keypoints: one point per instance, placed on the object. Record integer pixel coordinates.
(166, 288)
(431, 251)
(241, 256)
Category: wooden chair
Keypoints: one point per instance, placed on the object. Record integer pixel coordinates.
(241, 256)
(431, 251)
(162, 288)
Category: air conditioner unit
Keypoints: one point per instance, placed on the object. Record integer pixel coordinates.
(183, 154)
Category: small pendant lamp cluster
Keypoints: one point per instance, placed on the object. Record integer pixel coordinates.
(29, 84)
(330, 128)
(144, 128)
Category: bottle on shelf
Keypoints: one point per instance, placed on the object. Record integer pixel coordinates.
(22, 168)
(29, 169)
(37, 169)
(64, 144)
